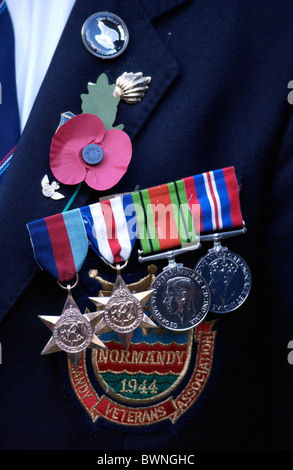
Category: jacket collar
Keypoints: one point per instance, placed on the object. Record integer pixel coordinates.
(71, 68)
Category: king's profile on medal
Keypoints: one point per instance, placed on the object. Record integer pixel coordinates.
(180, 298)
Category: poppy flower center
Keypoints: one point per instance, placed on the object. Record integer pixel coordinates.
(92, 154)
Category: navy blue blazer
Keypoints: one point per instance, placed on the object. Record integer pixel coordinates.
(218, 97)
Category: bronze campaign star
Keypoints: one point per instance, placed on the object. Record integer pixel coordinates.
(123, 312)
(72, 332)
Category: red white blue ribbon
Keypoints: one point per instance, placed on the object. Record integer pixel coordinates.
(217, 193)
(60, 243)
(111, 228)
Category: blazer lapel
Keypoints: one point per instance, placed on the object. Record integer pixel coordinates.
(72, 67)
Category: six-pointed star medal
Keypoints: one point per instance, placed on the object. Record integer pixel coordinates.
(72, 332)
(123, 312)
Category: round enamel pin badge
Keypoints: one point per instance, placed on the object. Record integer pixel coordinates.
(105, 35)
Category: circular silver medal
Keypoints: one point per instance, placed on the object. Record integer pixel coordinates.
(180, 298)
(105, 35)
(72, 332)
(228, 277)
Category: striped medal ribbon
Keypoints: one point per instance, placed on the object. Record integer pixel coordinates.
(175, 214)
(111, 228)
(60, 246)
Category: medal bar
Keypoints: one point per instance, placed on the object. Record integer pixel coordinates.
(169, 220)
(220, 282)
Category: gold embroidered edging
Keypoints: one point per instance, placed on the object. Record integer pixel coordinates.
(171, 408)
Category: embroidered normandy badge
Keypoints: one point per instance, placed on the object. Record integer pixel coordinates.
(156, 381)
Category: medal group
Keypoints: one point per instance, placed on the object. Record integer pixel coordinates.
(162, 218)
(167, 221)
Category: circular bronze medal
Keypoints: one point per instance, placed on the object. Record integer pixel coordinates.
(180, 298)
(228, 277)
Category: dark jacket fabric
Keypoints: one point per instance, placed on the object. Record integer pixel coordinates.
(218, 98)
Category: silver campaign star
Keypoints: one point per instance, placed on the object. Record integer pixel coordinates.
(123, 312)
(72, 332)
